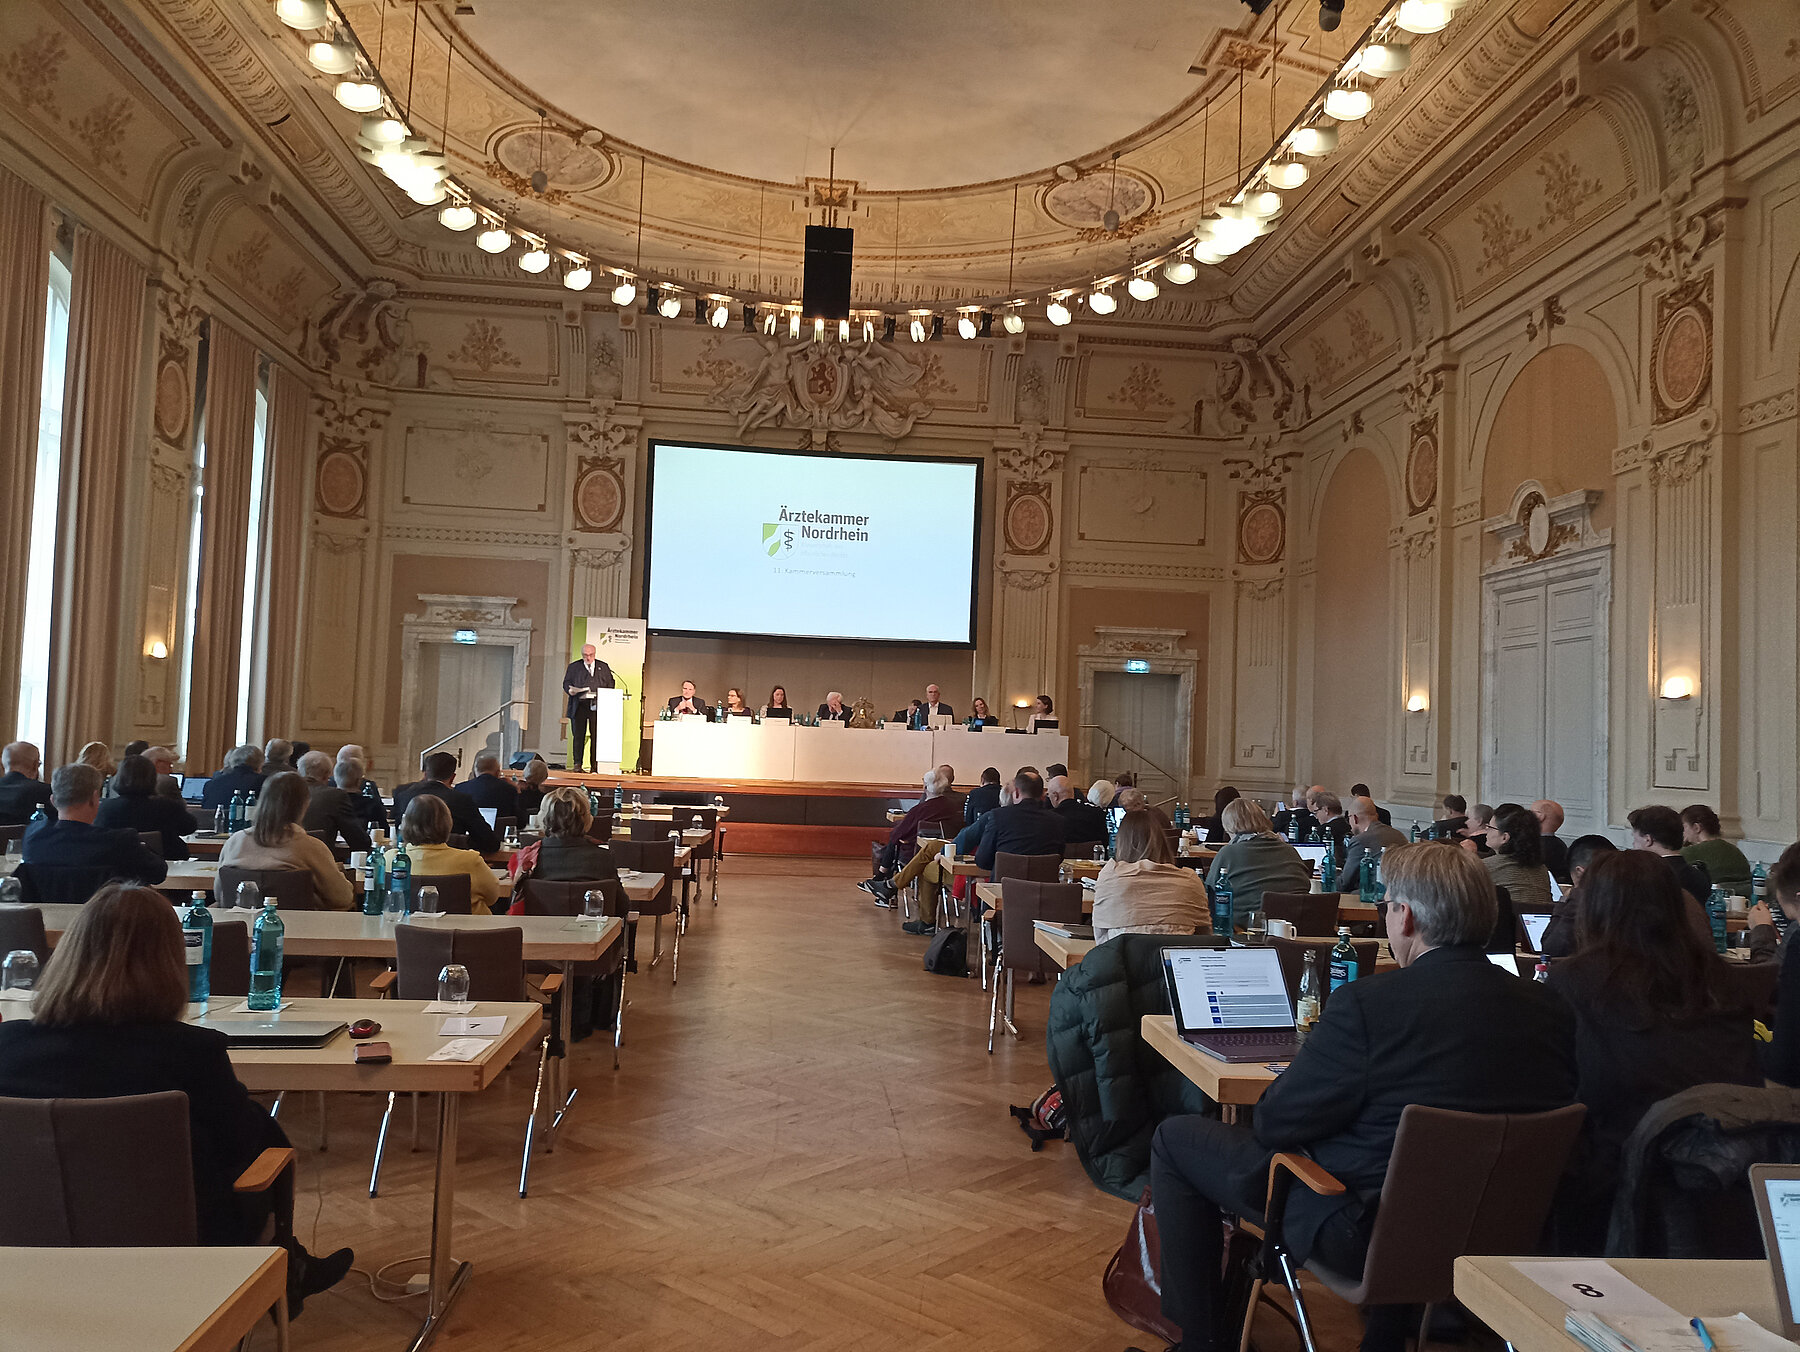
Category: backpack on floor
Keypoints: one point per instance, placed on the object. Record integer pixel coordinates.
(1045, 1120)
(948, 954)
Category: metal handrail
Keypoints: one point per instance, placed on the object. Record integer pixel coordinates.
(1112, 737)
(470, 728)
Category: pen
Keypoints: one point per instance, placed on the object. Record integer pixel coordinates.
(1706, 1341)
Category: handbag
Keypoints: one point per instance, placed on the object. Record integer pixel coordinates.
(1133, 1280)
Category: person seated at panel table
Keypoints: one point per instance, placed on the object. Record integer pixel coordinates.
(487, 789)
(21, 791)
(440, 770)
(929, 708)
(242, 773)
(735, 706)
(1703, 844)
(107, 1020)
(1042, 711)
(910, 714)
(71, 840)
(426, 830)
(334, 812)
(1029, 826)
(778, 706)
(689, 702)
(981, 718)
(1257, 860)
(1656, 1012)
(277, 840)
(1446, 1030)
(136, 804)
(1142, 890)
(834, 710)
(939, 806)
(1082, 822)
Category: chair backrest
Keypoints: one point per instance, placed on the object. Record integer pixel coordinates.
(96, 1173)
(1310, 913)
(66, 884)
(1037, 868)
(1023, 901)
(292, 888)
(693, 818)
(341, 853)
(11, 831)
(502, 825)
(1081, 849)
(24, 928)
(1461, 1183)
(651, 828)
(1505, 938)
(646, 856)
(458, 840)
(1292, 953)
(151, 841)
(454, 895)
(231, 957)
(539, 897)
(602, 829)
(495, 959)
(1754, 985)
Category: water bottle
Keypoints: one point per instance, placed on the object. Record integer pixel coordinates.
(1296, 824)
(265, 958)
(12, 891)
(1415, 834)
(197, 937)
(593, 803)
(1222, 904)
(1328, 871)
(1064, 873)
(235, 811)
(221, 821)
(371, 903)
(1344, 967)
(618, 797)
(1380, 876)
(400, 881)
(378, 875)
(1365, 880)
(1181, 815)
(1715, 916)
(637, 804)
(1759, 885)
(41, 815)
(1306, 1012)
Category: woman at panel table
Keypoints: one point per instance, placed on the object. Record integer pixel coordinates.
(778, 707)
(107, 1022)
(981, 718)
(277, 840)
(1142, 890)
(1044, 711)
(735, 706)
(426, 830)
(688, 702)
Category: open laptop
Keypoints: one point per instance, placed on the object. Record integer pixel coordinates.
(1314, 855)
(1532, 925)
(1777, 1191)
(193, 788)
(1231, 1003)
(275, 1031)
(490, 815)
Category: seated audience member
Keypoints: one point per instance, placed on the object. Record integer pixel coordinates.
(465, 817)
(1456, 816)
(98, 755)
(278, 756)
(969, 838)
(984, 797)
(242, 774)
(348, 776)
(1782, 1065)
(1028, 826)
(22, 793)
(1559, 935)
(1101, 793)
(1256, 860)
(1516, 863)
(1549, 813)
(1142, 890)
(1702, 844)
(981, 717)
(162, 760)
(1658, 830)
(1134, 799)
(1655, 1013)
(137, 805)
(735, 706)
(1448, 1030)
(1382, 814)
(1333, 827)
(834, 710)
(1369, 838)
(1474, 833)
(1295, 808)
(351, 751)
(1042, 711)
(134, 748)
(486, 788)
(332, 810)
(531, 797)
(939, 806)
(689, 702)
(566, 853)
(71, 840)
(1082, 822)
(426, 830)
(1055, 768)
(108, 1020)
(1213, 827)
(1125, 780)
(277, 840)
(778, 706)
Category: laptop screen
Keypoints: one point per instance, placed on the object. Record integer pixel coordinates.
(1535, 922)
(490, 815)
(1215, 989)
(1779, 1209)
(1313, 854)
(193, 788)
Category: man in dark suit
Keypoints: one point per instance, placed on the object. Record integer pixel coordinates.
(579, 682)
(689, 702)
(465, 817)
(22, 793)
(242, 774)
(1658, 829)
(329, 808)
(1081, 822)
(1455, 818)
(1447, 1030)
(1553, 849)
(984, 797)
(834, 710)
(1027, 827)
(1362, 791)
(488, 789)
(931, 708)
(73, 841)
(351, 774)
(1333, 826)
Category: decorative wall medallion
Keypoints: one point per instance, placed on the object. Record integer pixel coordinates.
(171, 400)
(1083, 204)
(1681, 362)
(599, 494)
(1262, 527)
(1422, 467)
(568, 165)
(340, 481)
(1028, 519)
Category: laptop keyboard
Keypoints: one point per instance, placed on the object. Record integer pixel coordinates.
(1247, 1040)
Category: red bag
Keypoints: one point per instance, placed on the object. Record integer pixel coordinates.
(1133, 1280)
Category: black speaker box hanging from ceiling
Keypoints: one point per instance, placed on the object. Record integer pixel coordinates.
(825, 286)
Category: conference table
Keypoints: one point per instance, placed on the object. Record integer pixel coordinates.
(778, 750)
(1230, 1084)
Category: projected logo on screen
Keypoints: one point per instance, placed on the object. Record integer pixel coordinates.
(774, 538)
(806, 527)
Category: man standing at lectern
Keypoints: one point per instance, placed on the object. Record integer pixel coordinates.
(579, 683)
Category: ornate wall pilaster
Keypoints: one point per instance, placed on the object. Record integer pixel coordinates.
(1027, 551)
(1260, 604)
(1422, 569)
(603, 455)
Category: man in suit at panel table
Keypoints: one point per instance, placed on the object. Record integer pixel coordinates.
(1029, 826)
(465, 817)
(72, 840)
(579, 683)
(1446, 1030)
(689, 702)
(834, 710)
(931, 708)
(329, 808)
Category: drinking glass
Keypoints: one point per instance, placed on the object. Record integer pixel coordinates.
(249, 897)
(12, 891)
(593, 905)
(1099, 854)
(16, 845)
(637, 805)
(428, 901)
(1255, 923)
(1064, 872)
(19, 972)
(719, 802)
(393, 904)
(453, 984)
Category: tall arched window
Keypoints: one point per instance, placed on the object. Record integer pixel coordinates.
(40, 576)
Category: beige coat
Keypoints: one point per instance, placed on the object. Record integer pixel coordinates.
(1146, 898)
(300, 851)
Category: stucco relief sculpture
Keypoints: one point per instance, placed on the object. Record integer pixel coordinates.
(829, 387)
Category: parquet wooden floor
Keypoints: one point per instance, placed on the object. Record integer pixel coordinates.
(806, 1147)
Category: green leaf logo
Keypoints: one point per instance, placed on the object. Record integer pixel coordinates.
(772, 538)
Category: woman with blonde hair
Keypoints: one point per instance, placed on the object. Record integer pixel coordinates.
(98, 755)
(565, 852)
(107, 1021)
(426, 830)
(277, 840)
(1142, 890)
(1256, 858)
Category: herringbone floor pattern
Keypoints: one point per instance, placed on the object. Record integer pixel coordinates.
(806, 1146)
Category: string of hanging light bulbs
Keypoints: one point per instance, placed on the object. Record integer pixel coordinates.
(388, 140)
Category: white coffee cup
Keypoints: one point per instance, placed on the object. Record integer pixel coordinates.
(1282, 929)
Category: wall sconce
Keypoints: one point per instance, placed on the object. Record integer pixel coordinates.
(158, 650)
(1678, 687)
(1416, 703)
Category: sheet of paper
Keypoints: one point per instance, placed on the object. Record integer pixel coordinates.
(1594, 1286)
(447, 1007)
(491, 1026)
(460, 1049)
(15, 994)
(1738, 1333)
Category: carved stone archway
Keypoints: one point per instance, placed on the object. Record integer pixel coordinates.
(495, 626)
(1162, 650)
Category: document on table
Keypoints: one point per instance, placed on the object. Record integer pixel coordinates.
(461, 1049)
(1669, 1333)
(491, 1026)
(1596, 1286)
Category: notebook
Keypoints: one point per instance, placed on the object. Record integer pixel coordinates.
(1231, 1003)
